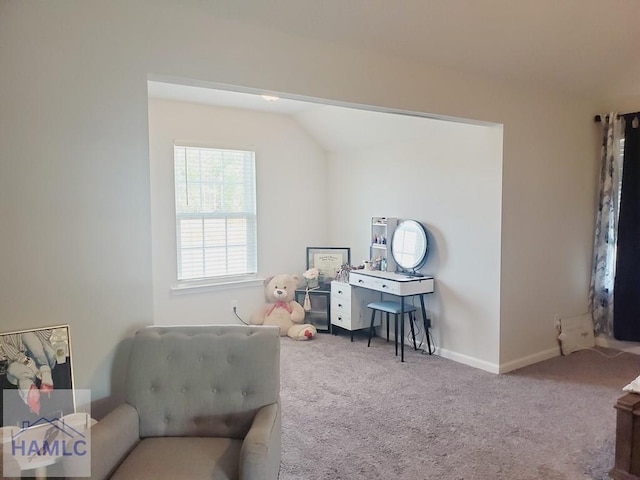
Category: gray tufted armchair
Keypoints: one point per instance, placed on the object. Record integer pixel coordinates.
(201, 402)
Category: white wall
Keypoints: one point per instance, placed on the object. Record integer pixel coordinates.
(547, 229)
(448, 177)
(625, 104)
(291, 172)
(445, 174)
(74, 172)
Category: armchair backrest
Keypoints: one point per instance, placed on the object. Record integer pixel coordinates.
(207, 380)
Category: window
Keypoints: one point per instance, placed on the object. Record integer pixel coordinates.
(215, 213)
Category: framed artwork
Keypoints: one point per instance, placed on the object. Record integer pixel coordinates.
(36, 364)
(327, 260)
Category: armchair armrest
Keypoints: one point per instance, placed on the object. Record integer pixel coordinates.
(112, 438)
(261, 449)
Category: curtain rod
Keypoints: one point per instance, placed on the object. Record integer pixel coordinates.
(598, 118)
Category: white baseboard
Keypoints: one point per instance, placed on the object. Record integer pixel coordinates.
(608, 342)
(467, 360)
(493, 367)
(503, 367)
(529, 360)
(449, 355)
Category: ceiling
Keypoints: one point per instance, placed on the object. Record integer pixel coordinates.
(335, 128)
(588, 47)
(584, 47)
(224, 98)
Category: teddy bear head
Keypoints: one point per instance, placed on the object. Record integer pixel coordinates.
(281, 288)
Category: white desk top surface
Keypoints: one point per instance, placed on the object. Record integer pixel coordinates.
(396, 277)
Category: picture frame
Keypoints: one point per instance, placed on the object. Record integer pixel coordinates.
(327, 260)
(39, 359)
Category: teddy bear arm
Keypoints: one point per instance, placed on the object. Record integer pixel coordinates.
(258, 316)
(297, 312)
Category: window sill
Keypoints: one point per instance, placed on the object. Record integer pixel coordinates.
(186, 289)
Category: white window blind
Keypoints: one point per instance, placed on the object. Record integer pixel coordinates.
(215, 212)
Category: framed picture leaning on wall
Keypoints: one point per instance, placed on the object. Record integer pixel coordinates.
(328, 261)
(36, 364)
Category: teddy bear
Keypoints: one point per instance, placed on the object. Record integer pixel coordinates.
(282, 310)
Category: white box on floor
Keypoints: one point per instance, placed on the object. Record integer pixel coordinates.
(576, 333)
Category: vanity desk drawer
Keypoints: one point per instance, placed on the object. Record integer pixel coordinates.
(341, 305)
(391, 283)
(349, 311)
(342, 320)
(375, 283)
(340, 290)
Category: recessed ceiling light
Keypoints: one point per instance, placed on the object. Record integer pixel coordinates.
(270, 98)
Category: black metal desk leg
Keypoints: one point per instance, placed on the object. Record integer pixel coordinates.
(425, 323)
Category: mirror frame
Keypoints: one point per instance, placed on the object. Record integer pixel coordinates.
(423, 259)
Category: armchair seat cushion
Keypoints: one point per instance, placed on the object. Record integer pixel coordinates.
(171, 458)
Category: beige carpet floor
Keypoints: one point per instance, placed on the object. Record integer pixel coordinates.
(352, 412)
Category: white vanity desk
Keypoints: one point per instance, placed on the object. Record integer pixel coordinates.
(395, 284)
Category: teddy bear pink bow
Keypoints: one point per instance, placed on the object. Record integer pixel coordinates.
(279, 304)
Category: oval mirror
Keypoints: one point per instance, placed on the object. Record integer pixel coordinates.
(409, 246)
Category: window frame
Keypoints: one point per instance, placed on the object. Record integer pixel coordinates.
(249, 275)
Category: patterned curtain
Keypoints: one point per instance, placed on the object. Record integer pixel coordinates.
(606, 231)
